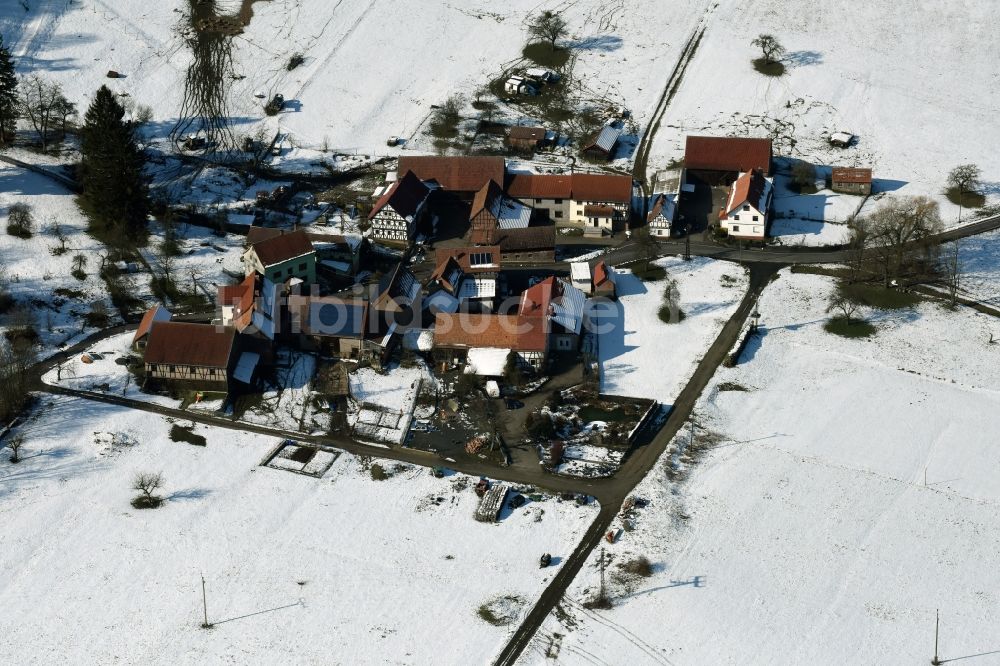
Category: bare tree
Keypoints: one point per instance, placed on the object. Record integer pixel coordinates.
(803, 174)
(44, 105)
(56, 229)
(899, 229)
(952, 273)
(15, 362)
(15, 443)
(79, 264)
(20, 221)
(964, 178)
(547, 26)
(769, 47)
(146, 484)
(844, 305)
(857, 247)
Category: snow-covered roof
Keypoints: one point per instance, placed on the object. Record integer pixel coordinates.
(579, 271)
(511, 214)
(486, 362)
(243, 372)
(441, 301)
(607, 139)
(567, 309)
(477, 288)
(339, 266)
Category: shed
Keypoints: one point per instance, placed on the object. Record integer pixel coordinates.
(841, 139)
(526, 138)
(604, 143)
(851, 180)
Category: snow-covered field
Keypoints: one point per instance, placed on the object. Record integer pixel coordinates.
(918, 87)
(979, 262)
(643, 357)
(32, 273)
(341, 569)
(807, 533)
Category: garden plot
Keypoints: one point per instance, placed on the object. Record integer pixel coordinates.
(835, 487)
(345, 565)
(382, 403)
(812, 219)
(643, 357)
(36, 271)
(288, 402)
(884, 75)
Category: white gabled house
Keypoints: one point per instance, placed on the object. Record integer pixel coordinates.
(746, 213)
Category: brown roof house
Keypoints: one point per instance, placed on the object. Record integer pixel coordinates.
(721, 159)
(202, 356)
(468, 273)
(492, 211)
(528, 139)
(398, 214)
(597, 203)
(286, 256)
(851, 180)
(747, 210)
(462, 176)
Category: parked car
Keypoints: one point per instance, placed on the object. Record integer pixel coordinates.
(517, 501)
(545, 560)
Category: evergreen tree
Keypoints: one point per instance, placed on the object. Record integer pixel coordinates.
(9, 101)
(114, 191)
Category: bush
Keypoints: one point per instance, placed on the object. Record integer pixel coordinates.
(539, 424)
(296, 60)
(378, 472)
(855, 328)
(444, 121)
(639, 566)
(669, 315)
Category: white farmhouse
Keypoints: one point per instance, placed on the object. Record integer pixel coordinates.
(745, 214)
(399, 211)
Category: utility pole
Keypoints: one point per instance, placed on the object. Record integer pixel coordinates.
(687, 242)
(937, 624)
(204, 604)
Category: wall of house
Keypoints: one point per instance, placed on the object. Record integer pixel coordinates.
(852, 188)
(303, 268)
(389, 225)
(187, 373)
(741, 223)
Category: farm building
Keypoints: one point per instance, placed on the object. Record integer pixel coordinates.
(492, 210)
(841, 139)
(468, 273)
(851, 180)
(152, 315)
(604, 281)
(534, 244)
(720, 160)
(745, 214)
(603, 145)
(459, 334)
(334, 326)
(595, 202)
(338, 254)
(398, 213)
(518, 85)
(252, 307)
(527, 139)
(661, 215)
(282, 257)
(462, 176)
(202, 355)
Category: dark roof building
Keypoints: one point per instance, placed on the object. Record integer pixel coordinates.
(405, 197)
(189, 344)
(283, 247)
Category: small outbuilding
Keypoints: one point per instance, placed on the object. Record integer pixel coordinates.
(851, 180)
(603, 145)
(518, 85)
(528, 139)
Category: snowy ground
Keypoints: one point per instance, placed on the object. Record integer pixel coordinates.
(886, 75)
(809, 233)
(33, 274)
(806, 534)
(979, 259)
(642, 357)
(383, 403)
(342, 569)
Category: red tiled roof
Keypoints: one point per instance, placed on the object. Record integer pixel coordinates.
(466, 330)
(851, 175)
(603, 276)
(241, 298)
(485, 197)
(535, 300)
(258, 234)
(578, 186)
(718, 153)
(517, 240)
(748, 188)
(522, 133)
(404, 197)
(459, 174)
(283, 247)
(599, 211)
(152, 315)
(185, 343)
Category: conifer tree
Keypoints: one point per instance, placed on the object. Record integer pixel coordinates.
(9, 100)
(114, 191)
